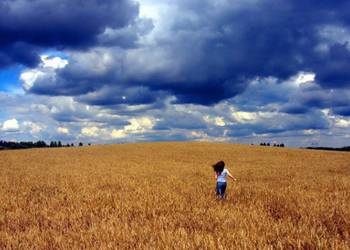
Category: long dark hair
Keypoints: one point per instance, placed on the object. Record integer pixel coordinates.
(219, 167)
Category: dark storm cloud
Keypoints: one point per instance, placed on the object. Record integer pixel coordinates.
(18, 52)
(60, 24)
(265, 91)
(126, 37)
(87, 72)
(344, 111)
(312, 97)
(222, 45)
(109, 96)
(294, 108)
(333, 68)
(210, 51)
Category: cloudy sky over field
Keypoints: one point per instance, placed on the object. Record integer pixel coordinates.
(122, 71)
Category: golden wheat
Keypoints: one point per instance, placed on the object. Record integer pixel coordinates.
(161, 196)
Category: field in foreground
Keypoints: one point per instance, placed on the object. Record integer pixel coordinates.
(161, 196)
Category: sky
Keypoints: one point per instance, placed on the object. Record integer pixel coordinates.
(118, 71)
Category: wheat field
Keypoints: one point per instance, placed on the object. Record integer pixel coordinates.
(161, 196)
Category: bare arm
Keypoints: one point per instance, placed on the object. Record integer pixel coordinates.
(230, 175)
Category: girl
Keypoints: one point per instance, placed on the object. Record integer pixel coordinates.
(221, 174)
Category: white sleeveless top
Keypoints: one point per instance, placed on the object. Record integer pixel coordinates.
(222, 176)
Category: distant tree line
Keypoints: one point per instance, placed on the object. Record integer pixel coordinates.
(267, 144)
(22, 144)
(345, 149)
(6, 145)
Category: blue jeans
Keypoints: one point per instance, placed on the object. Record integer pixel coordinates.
(220, 189)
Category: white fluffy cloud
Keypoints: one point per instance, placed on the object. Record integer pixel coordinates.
(90, 131)
(53, 62)
(140, 124)
(244, 117)
(10, 126)
(136, 126)
(63, 131)
(310, 132)
(28, 78)
(217, 121)
(342, 123)
(304, 77)
(118, 134)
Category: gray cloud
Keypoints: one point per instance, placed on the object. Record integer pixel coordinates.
(39, 25)
(205, 53)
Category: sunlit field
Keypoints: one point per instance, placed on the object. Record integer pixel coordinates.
(161, 196)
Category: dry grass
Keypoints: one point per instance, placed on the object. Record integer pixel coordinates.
(161, 196)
